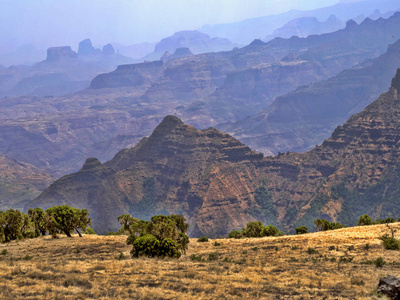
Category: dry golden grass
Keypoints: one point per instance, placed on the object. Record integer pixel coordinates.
(267, 268)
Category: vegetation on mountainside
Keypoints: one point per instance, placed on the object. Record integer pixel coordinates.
(161, 236)
(256, 229)
(16, 225)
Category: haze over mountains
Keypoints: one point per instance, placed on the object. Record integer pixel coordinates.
(276, 96)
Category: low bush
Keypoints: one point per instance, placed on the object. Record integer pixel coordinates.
(202, 239)
(311, 251)
(301, 230)
(390, 243)
(213, 256)
(379, 262)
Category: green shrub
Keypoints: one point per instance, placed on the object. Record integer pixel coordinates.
(202, 239)
(146, 245)
(270, 230)
(351, 248)
(161, 236)
(235, 234)
(311, 251)
(120, 256)
(379, 262)
(216, 244)
(253, 229)
(89, 230)
(324, 225)
(301, 230)
(4, 252)
(168, 247)
(364, 220)
(213, 256)
(195, 257)
(390, 243)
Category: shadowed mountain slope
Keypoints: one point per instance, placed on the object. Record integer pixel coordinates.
(303, 118)
(219, 184)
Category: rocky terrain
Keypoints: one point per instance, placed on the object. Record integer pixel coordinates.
(305, 117)
(207, 84)
(57, 134)
(19, 183)
(219, 184)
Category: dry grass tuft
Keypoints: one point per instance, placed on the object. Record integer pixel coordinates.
(341, 265)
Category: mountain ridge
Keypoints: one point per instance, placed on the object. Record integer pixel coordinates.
(219, 184)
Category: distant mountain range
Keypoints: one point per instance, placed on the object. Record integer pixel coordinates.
(245, 31)
(306, 116)
(62, 72)
(219, 184)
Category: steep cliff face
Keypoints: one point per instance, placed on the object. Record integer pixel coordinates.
(305, 117)
(20, 183)
(219, 184)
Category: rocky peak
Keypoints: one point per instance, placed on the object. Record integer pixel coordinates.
(108, 50)
(86, 48)
(60, 53)
(351, 24)
(167, 125)
(91, 163)
(396, 81)
(257, 42)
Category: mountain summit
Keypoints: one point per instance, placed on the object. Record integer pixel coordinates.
(219, 184)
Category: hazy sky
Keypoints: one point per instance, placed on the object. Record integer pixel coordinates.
(46, 23)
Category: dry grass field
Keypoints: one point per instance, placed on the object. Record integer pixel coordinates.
(324, 265)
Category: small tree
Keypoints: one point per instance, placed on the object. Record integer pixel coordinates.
(66, 219)
(301, 230)
(270, 230)
(364, 220)
(253, 229)
(235, 234)
(162, 235)
(38, 218)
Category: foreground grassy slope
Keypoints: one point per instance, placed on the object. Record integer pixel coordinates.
(266, 268)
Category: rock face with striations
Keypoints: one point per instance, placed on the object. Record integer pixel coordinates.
(219, 184)
(299, 120)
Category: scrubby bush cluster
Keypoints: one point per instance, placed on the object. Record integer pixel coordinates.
(301, 230)
(15, 225)
(256, 229)
(160, 237)
(366, 220)
(324, 225)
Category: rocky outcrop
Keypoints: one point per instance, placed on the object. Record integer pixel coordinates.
(136, 75)
(219, 184)
(305, 117)
(55, 54)
(108, 50)
(20, 183)
(389, 286)
(86, 48)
